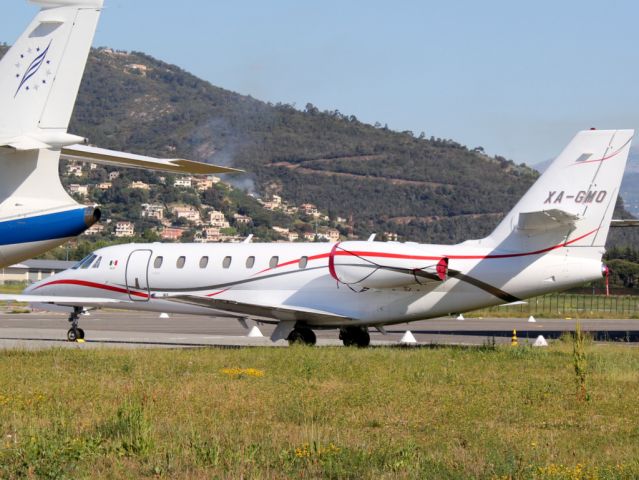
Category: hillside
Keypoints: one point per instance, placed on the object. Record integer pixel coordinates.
(423, 189)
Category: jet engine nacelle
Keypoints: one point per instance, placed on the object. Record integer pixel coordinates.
(384, 265)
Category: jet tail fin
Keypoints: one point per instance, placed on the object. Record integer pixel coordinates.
(573, 201)
(40, 74)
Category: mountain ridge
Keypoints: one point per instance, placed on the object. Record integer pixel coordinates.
(424, 189)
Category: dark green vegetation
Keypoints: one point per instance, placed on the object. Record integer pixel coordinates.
(320, 413)
(387, 180)
(424, 189)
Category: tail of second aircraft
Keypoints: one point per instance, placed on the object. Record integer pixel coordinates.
(40, 74)
(39, 80)
(572, 203)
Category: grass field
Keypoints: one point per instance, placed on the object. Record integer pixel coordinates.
(319, 413)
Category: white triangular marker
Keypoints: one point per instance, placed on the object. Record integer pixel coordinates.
(255, 332)
(164, 315)
(461, 317)
(531, 319)
(540, 342)
(408, 338)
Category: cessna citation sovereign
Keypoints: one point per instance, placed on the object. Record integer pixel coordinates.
(553, 239)
(39, 80)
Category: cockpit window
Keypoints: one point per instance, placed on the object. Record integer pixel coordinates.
(97, 263)
(85, 262)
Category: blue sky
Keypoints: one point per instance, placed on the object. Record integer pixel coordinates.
(517, 78)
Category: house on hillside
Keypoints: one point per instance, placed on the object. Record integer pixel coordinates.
(140, 186)
(124, 229)
(153, 210)
(95, 229)
(74, 169)
(171, 233)
(218, 220)
(310, 209)
(188, 212)
(242, 219)
(185, 182)
(82, 190)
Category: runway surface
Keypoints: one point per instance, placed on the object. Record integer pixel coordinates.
(114, 329)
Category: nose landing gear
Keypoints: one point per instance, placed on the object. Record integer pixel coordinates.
(75, 333)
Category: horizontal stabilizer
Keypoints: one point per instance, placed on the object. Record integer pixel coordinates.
(63, 301)
(544, 220)
(23, 143)
(85, 153)
(40, 140)
(626, 222)
(279, 312)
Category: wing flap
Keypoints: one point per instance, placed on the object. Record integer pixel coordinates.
(85, 153)
(280, 313)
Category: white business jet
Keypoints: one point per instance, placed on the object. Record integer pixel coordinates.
(553, 239)
(39, 80)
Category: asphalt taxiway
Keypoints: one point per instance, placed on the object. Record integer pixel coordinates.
(120, 329)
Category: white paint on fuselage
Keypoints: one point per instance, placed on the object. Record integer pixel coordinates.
(313, 287)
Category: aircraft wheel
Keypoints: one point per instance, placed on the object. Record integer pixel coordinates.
(309, 336)
(355, 336)
(302, 335)
(80, 334)
(73, 334)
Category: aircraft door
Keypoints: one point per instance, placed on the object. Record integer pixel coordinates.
(137, 275)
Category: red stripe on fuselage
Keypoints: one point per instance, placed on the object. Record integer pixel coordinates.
(330, 255)
(100, 286)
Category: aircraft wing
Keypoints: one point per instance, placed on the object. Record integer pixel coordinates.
(280, 313)
(85, 153)
(61, 301)
(626, 222)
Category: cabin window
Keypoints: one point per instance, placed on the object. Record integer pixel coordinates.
(157, 263)
(97, 263)
(274, 261)
(303, 262)
(180, 262)
(226, 263)
(204, 261)
(250, 261)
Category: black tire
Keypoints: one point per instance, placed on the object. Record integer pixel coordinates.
(302, 336)
(355, 336)
(295, 337)
(72, 335)
(80, 334)
(309, 336)
(363, 339)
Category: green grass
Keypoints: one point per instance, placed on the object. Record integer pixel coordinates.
(564, 305)
(13, 287)
(319, 413)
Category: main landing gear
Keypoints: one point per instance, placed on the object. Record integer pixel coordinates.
(75, 333)
(302, 335)
(355, 336)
